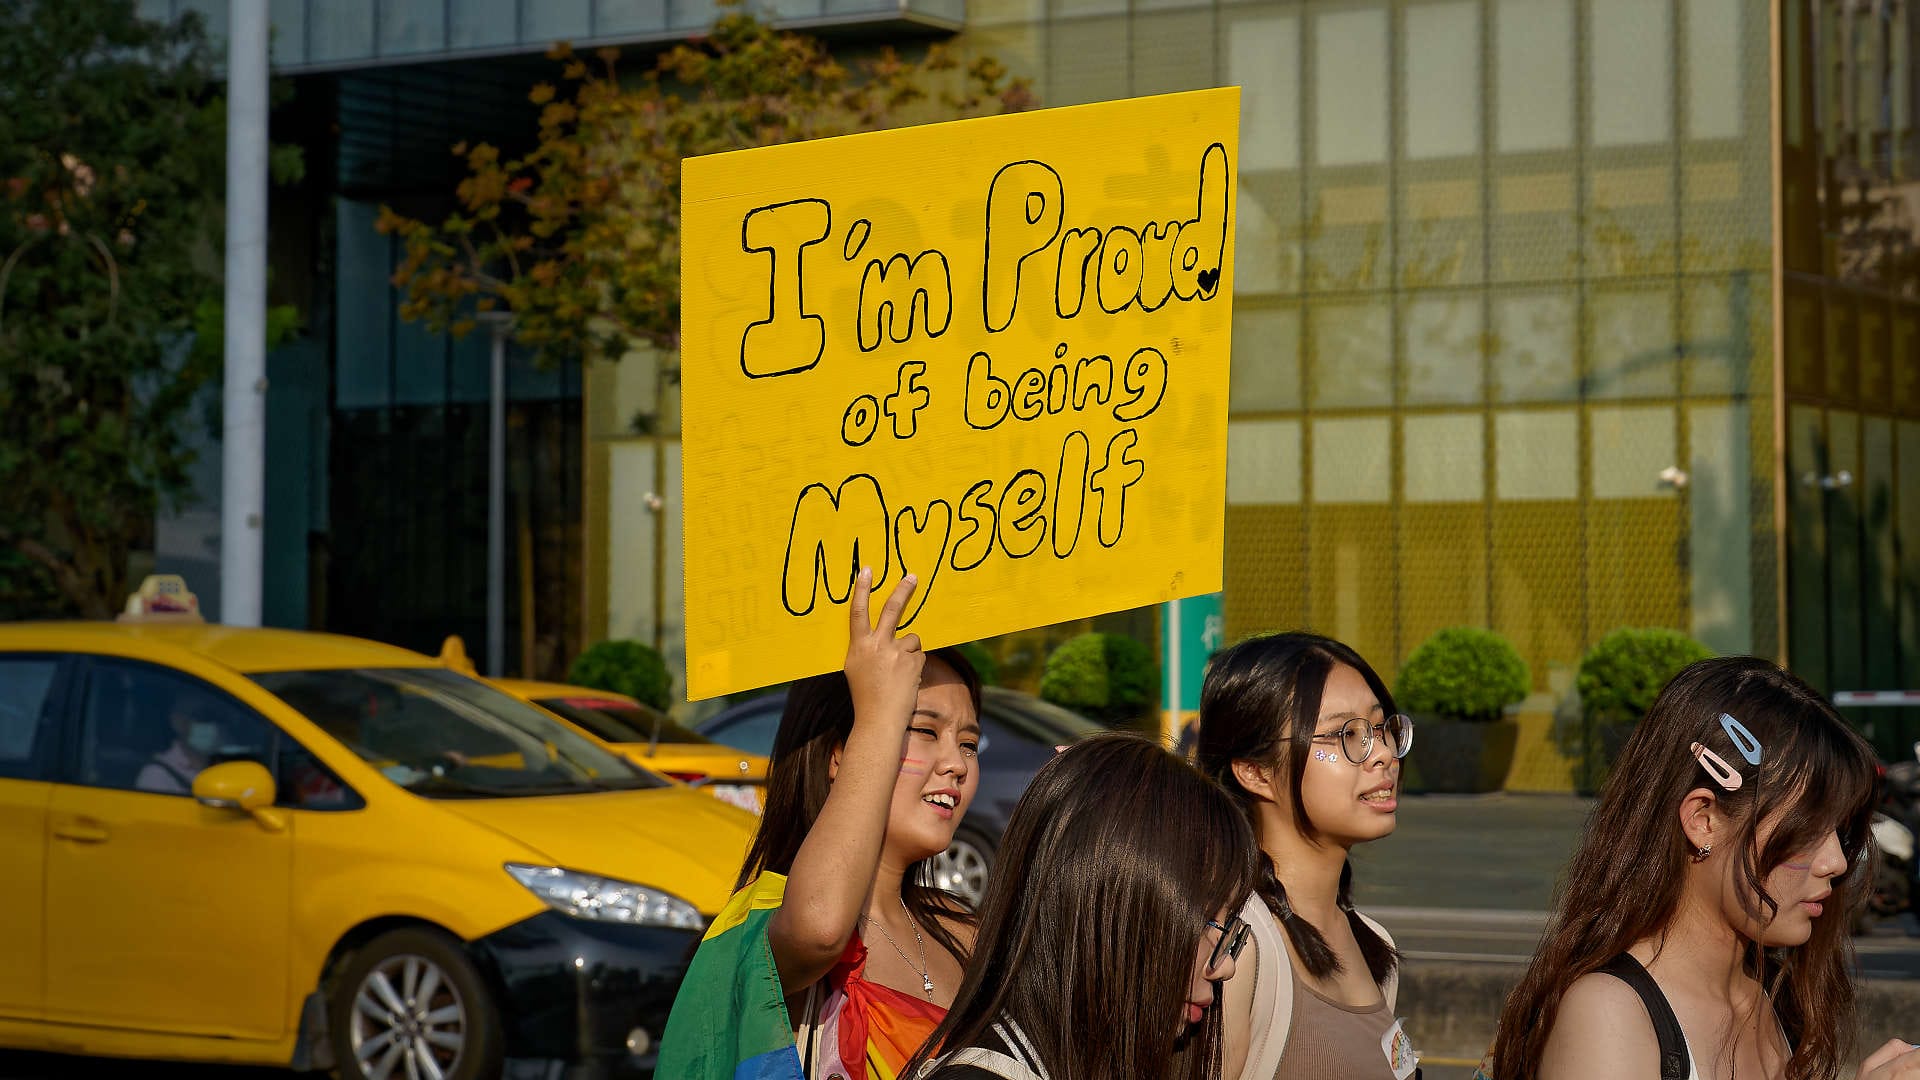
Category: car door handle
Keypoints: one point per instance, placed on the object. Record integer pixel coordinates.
(81, 831)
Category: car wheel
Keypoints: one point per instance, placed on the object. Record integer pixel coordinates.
(410, 1004)
(964, 868)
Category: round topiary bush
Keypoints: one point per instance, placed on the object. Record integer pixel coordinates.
(1108, 677)
(984, 665)
(1622, 674)
(632, 668)
(1463, 672)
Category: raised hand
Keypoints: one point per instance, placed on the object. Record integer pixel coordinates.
(883, 666)
(1896, 1060)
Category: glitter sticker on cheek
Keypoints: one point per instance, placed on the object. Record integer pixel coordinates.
(1325, 755)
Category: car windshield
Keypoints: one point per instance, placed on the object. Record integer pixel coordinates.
(1036, 719)
(620, 722)
(443, 735)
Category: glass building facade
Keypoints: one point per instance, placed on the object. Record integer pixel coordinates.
(1554, 316)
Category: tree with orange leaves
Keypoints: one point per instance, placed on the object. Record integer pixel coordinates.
(579, 239)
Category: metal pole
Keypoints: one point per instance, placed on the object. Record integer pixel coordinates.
(243, 438)
(497, 507)
(1171, 720)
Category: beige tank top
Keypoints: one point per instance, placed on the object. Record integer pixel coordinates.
(1328, 1040)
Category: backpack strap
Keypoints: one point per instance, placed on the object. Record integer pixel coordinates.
(991, 1061)
(1272, 971)
(1674, 1058)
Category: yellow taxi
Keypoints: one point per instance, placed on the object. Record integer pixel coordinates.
(652, 739)
(275, 847)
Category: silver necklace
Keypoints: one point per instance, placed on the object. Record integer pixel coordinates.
(926, 973)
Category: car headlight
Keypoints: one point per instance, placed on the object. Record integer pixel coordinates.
(588, 896)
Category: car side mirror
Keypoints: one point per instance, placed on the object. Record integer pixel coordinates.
(245, 786)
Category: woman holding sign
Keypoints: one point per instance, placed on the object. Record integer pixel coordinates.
(873, 768)
(1304, 735)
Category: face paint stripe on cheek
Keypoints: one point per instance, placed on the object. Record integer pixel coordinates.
(913, 766)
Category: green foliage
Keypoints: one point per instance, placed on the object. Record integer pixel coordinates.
(1108, 677)
(632, 668)
(580, 238)
(1622, 674)
(112, 164)
(1463, 672)
(983, 662)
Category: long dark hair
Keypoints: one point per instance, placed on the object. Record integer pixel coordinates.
(817, 720)
(1260, 702)
(1625, 883)
(1113, 862)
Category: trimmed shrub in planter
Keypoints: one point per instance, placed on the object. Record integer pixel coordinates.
(1108, 677)
(1457, 685)
(632, 668)
(1618, 680)
(1465, 673)
(1622, 674)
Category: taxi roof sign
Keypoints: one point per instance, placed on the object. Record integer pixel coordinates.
(162, 598)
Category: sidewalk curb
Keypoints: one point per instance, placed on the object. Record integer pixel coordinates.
(1452, 1008)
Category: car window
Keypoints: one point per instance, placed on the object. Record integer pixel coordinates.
(1035, 719)
(752, 730)
(618, 722)
(305, 783)
(26, 690)
(443, 735)
(146, 728)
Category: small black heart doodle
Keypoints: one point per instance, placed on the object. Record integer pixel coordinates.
(1208, 279)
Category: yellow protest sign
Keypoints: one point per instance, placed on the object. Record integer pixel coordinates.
(991, 353)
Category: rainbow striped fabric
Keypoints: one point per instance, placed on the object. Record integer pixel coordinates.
(729, 1020)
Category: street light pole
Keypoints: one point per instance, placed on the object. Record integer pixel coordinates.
(501, 325)
(243, 443)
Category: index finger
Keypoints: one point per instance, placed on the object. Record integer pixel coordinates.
(896, 604)
(857, 603)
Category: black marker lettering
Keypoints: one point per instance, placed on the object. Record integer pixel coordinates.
(1198, 251)
(888, 298)
(1023, 524)
(788, 340)
(1070, 493)
(1078, 248)
(1024, 207)
(982, 524)
(915, 397)
(1112, 480)
(987, 396)
(1145, 374)
(817, 552)
(922, 546)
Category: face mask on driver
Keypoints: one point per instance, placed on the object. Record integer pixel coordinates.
(203, 737)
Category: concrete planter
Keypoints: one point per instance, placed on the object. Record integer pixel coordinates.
(1460, 756)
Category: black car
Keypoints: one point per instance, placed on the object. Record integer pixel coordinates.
(1018, 733)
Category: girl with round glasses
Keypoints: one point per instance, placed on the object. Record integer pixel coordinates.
(1304, 735)
(1107, 928)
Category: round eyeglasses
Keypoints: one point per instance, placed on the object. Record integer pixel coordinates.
(1233, 938)
(1356, 737)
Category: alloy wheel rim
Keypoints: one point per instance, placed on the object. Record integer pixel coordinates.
(408, 1020)
(961, 870)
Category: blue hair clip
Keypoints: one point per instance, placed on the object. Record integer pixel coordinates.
(1743, 739)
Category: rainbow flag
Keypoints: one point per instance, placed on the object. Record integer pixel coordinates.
(729, 1020)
